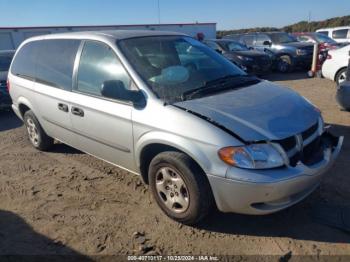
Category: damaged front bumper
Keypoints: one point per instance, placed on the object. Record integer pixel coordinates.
(260, 192)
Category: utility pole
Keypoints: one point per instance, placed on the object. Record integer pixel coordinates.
(309, 21)
(158, 11)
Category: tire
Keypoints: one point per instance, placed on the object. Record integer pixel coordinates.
(284, 64)
(37, 136)
(341, 76)
(170, 169)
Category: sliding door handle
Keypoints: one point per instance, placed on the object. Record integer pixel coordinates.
(77, 111)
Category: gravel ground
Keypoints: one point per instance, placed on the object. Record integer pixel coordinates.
(67, 202)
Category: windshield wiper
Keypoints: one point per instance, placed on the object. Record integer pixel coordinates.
(220, 84)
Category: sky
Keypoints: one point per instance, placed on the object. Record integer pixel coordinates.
(229, 14)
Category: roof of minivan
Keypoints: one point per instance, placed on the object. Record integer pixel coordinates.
(116, 34)
(334, 28)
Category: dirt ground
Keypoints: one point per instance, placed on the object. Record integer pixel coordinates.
(67, 202)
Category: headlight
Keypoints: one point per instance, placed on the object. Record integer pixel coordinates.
(255, 156)
(301, 52)
(245, 58)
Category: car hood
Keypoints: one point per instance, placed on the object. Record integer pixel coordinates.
(264, 111)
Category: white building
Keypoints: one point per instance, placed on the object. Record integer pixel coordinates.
(12, 37)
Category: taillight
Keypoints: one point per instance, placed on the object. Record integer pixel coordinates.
(8, 85)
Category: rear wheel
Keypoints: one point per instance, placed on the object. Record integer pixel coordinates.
(36, 134)
(180, 187)
(284, 64)
(341, 76)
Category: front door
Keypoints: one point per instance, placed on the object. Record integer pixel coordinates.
(103, 126)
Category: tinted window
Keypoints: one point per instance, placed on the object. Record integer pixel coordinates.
(213, 45)
(342, 33)
(99, 63)
(24, 62)
(248, 40)
(55, 62)
(282, 38)
(5, 61)
(260, 39)
(323, 32)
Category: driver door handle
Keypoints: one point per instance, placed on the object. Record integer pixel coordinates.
(77, 111)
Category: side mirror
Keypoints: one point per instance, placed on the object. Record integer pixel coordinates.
(116, 89)
(267, 43)
(219, 51)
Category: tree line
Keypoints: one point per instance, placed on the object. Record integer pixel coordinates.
(302, 26)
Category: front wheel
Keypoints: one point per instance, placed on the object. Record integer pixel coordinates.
(180, 187)
(341, 76)
(284, 64)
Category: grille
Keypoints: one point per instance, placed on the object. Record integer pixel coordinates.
(305, 147)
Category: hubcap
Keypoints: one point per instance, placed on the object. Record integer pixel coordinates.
(32, 132)
(342, 78)
(172, 190)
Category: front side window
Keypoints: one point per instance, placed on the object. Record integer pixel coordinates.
(174, 65)
(248, 40)
(260, 39)
(282, 38)
(55, 62)
(235, 46)
(99, 63)
(338, 34)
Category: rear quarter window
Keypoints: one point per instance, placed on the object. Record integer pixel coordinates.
(339, 34)
(24, 61)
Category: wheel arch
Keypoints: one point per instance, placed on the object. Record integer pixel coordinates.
(337, 72)
(147, 149)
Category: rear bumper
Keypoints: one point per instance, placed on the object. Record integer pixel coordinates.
(260, 192)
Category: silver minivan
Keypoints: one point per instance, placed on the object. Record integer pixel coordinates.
(200, 131)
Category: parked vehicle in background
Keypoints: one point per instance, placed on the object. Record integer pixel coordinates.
(288, 51)
(324, 41)
(195, 126)
(335, 66)
(251, 61)
(339, 34)
(5, 61)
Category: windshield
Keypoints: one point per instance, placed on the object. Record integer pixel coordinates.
(234, 46)
(322, 38)
(5, 61)
(174, 65)
(282, 38)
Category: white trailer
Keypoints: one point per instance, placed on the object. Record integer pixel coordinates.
(12, 37)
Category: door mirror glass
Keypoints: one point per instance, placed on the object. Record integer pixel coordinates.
(268, 43)
(116, 89)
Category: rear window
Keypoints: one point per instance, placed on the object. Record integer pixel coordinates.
(49, 62)
(338, 34)
(55, 62)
